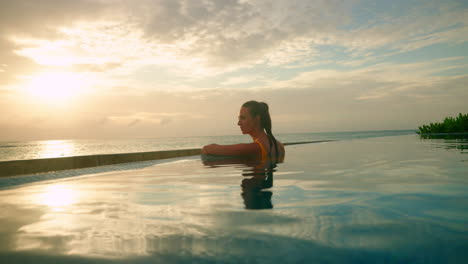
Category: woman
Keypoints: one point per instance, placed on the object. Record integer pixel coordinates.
(254, 119)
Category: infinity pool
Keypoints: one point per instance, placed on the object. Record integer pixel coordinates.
(381, 200)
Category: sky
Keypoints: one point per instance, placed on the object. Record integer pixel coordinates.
(108, 69)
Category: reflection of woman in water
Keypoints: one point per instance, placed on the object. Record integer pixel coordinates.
(258, 176)
(253, 193)
(254, 119)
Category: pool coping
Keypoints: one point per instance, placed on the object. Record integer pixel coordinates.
(31, 166)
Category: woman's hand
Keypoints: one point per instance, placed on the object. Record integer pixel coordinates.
(208, 149)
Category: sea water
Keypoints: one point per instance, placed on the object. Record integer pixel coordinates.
(20, 150)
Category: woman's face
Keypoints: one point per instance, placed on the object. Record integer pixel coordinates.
(246, 122)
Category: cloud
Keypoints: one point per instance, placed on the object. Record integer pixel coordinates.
(134, 122)
(12, 64)
(224, 33)
(38, 20)
(26, 17)
(95, 67)
(375, 81)
(241, 80)
(151, 118)
(405, 27)
(206, 38)
(214, 35)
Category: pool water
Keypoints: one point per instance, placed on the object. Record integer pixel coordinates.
(380, 200)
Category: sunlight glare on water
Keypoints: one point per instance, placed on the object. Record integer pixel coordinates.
(56, 148)
(58, 196)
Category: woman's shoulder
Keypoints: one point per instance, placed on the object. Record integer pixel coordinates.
(267, 144)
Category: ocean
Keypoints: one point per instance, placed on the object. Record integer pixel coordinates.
(23, 150)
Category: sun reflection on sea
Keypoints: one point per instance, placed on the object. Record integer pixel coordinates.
(56, 148)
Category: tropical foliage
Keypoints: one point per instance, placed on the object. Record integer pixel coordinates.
(457, 124)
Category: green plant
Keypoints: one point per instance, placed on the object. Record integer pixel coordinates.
(458, 124)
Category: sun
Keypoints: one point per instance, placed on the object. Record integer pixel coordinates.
(55, 87)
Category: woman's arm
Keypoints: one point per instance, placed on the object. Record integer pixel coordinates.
(232, 150)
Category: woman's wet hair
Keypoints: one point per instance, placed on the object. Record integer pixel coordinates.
(261, 109)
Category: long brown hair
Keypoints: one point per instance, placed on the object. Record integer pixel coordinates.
(261, 109)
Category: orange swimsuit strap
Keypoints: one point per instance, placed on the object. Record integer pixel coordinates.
(264, 153)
